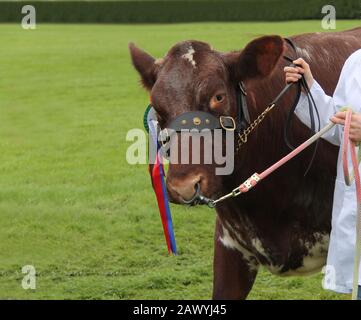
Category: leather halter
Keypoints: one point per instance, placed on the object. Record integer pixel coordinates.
(200, 120)
(243, 118)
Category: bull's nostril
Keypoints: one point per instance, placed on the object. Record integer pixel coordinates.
(191, 201)
(198, 198)
(184, 188)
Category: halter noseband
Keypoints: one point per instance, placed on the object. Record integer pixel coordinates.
(200, 120)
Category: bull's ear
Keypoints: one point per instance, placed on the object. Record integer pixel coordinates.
(257, 59)
(145, 65)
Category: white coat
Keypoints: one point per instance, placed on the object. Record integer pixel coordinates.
(340, 260)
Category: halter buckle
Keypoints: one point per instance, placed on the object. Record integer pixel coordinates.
(224, 122)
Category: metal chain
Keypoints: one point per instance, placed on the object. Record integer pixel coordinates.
(242, 137)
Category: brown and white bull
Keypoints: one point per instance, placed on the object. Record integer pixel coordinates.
(284, 223)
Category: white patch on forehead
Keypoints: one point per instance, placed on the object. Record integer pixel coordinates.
(189, 56)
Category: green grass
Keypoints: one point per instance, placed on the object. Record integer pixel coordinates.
(69, 203)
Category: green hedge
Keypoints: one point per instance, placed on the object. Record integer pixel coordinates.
(178, 11)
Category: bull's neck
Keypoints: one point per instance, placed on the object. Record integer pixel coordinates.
(265, 144)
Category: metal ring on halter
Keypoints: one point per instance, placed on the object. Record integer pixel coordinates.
(222, 120)
(199, 199)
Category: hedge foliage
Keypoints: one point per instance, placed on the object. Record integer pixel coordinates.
(177, 11)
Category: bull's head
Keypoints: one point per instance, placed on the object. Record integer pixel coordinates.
(194, 77)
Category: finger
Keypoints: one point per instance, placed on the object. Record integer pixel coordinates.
(290, 69)
(293, 75)
(354, 138)
(337, 120)
(355, 125)
(355, 121)
(340, 115)
(355, 132)
(301, 62)
(291, 79)
(300, 70)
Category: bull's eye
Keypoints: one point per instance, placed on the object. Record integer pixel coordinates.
(217, 100)
(219, 97)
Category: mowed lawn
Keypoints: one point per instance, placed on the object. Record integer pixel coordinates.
(70, 205)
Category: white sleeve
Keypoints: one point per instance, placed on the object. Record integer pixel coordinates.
(327, 106)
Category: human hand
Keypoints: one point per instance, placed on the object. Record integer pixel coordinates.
(355, 125)
(293, 74)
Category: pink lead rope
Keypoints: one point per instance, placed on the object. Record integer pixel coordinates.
(256, 177)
